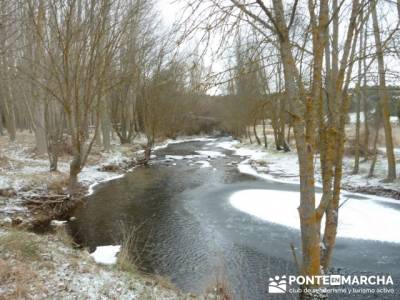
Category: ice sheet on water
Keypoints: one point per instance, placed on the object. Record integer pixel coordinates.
(359, 218)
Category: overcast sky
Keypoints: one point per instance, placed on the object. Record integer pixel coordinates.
(171, 10)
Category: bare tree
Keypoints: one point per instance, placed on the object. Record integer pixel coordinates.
(81, 39)
(384, 96)
(309, 110)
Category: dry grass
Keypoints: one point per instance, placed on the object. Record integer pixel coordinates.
(165, 282)
(220, 288)
(64, 237)
(15, 275)
(350, 135)
(17, 280)
(58, 184)
(5, 162)
(26, 181)
(20, 245)
(126, 260)
(351, 131)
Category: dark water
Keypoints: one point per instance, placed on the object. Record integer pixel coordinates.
(187, 230)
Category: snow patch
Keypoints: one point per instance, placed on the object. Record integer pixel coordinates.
(203, 163)
(228, 145)
(174, 157)
(101, 178)
(11, 209)
(353, 117)
(254, 153)
(211, 154)
(106, 255)
(183, 140)
(359, 218)
(4, 182)
(57, 223)
(245, 168)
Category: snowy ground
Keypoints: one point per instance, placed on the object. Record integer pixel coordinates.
(353, 118)
(52, 269)
(283, 166)
(21, 170)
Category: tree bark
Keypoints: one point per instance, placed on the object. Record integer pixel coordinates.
(359, 95)
(305, 147)
(255, 132)
(74, 170)
(264, 134)
(384, 98)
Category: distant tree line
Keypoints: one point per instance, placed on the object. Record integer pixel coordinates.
(77, 72)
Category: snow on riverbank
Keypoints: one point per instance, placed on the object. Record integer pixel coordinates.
(55, 270)
(272, 165)
(283, 167)
(58, 270)
(165, 144)
(21, 170)
(106, 255)
(359, 218)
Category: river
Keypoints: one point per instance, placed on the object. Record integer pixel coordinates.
(187, 230)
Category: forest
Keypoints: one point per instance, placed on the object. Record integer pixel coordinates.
(216, 149)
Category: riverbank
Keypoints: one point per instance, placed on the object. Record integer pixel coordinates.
(46, 266)
(23, 172)
(43, 266)
(25, 175)
(198, 220)
(283, 167)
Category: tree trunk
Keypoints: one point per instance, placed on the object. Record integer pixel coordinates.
(276, 138)
(1, 125)
(365, 98)
(9, 116)
(106, 130)
(375, 152)
(360, 95)
(74, 170)
(336, 142)
(308, 222)
(53, 158)
(255, 132)
(357, 137)
(249, 135)
(366, 125)
(384, 98)
(40, 133)
(264, 134)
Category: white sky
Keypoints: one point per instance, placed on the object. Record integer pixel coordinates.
(171, 10)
